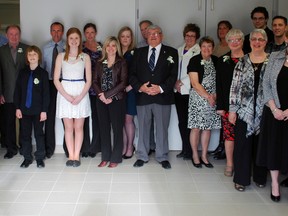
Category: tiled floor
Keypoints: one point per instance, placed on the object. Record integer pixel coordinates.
(148, 191)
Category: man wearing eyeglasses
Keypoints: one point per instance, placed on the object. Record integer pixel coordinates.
(153, 74)
(259, 17)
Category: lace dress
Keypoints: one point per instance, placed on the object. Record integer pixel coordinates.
(73, 83)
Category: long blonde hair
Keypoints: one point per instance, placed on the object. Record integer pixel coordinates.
(69, 32)
(106, 43)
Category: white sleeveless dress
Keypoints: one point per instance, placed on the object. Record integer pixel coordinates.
(73, 83)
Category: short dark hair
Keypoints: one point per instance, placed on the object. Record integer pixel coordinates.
(146, 21)
(191, 27)
(206, 39)
(13, 26)
(260, 10)
(35, 49)
(90, 25)
(280, 17)
(57, 23)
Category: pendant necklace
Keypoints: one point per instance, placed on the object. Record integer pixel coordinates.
(255, 66)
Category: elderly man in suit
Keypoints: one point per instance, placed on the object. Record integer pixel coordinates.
(12, 60)
(153, 74)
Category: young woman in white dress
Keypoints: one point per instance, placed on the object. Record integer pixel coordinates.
(73, 105)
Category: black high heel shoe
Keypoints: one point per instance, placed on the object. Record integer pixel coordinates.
(128, 157)
(198, 165)
(208, 165)
(275, 198)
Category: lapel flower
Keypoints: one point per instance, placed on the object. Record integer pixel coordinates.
(202, 62)
(266, 61)
(132, 52)
(105, 62)
(170, 59)
(36, 81)
(226, 58)
(99, 48)
(81, 56)
(20, 50)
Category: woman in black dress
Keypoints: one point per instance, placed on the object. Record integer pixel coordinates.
(273, 148)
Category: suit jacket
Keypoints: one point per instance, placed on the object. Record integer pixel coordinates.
(164, 75)
(40, 92)
(10, 70)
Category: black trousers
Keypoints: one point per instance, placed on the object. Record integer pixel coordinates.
(111, 115)
(9, 130)
(95, 145)
(27, 122)
(181, 103)
(50, 122)
(245, 152)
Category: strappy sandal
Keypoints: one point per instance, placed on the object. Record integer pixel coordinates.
(228, 171)
(239, 187)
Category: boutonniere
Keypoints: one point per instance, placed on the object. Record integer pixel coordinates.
(202, 62)
(170, 59)
(226, 58)
(105, 62)
(81, 56)
(99, 48)
(20, 50)
(36, 81)
(266, 61)
(132, 52)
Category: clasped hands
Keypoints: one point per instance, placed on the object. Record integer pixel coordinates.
(105, 100)
(280, 114)
(150, 89)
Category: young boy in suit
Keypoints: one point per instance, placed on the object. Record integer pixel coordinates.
(31, 98)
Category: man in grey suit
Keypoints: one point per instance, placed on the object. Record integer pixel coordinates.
(12, 60)
(153, 74)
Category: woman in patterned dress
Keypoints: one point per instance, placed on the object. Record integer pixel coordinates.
(94, 49)
(202, 116)
(73, 104)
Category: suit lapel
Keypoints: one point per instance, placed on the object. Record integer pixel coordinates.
(161, 58)
(9, 55)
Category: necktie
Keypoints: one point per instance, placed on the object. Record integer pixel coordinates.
(152, 60)
(54, 55)
(29, 91)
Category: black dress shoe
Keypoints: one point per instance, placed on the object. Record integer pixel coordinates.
(85, 154)
(26, 163)
(275, 198)
(76, 163)
(197, 165)
(49, 155)
(9, 155)
(284, 183)
(40, 163)
(180, 155)
(92, 155)
(217, 150)
(165, 164)
(139, 163)
(220, 156)
(151, 151)
(69, 163)
(260, 185)
(127, 157)
(208, 165)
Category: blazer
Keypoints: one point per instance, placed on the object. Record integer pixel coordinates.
(275, 63)
(119, 76)
(164, 75)
(40, 92)
(10, 70)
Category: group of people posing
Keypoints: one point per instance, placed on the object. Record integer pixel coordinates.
(241, 88)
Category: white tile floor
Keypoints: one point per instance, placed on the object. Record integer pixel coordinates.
(148, 191)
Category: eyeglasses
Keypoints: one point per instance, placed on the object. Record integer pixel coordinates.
(236, 40)
(258, 18)
(190, 36)
(257, 39)
(156, 34)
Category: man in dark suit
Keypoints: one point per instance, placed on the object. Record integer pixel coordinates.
(153, 74)
(12, 60)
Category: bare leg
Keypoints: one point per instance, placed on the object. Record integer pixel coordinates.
(69, 136)
(130, 132)
(229, 149)
(78, 128)
(205, 139)
(194, 141)
(275, 183)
